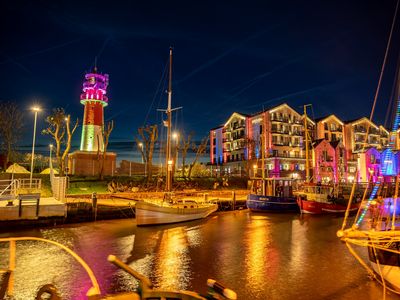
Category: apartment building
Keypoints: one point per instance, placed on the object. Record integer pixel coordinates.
(356, 139)
(278, 130)
(329, 161)
(338, 147)
(330, 128)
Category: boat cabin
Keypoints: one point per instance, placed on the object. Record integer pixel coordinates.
(275, 187)
(318, 192)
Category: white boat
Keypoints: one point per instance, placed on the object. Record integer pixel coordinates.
(153, 213)
(170, 210)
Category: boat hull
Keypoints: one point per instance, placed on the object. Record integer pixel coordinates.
(315, 207)
(154, 214)
(389, 265)
(261, 203)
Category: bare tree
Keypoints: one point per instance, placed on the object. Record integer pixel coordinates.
(183, 147)
(106, 136)
(199, 150)
(59, 128)
(11, 123)
(148, 136)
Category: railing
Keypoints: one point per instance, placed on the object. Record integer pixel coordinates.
(25, 183)
(11, 186)
(92, 293)
(8, 187)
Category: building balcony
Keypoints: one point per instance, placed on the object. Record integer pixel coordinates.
(279, 131)
(359, 130)
(238, 126)
(287, 155)
(278, 119)
(240, 137)
(339, 129)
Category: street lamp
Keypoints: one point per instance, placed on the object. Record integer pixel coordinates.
(254, 170)
(51, 150)
(141, 150)
(142, 155)
(35, 109)
(175, 136)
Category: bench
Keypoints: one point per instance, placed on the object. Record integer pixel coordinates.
(28, 199)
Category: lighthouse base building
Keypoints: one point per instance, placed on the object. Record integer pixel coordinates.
(88, 161)
(82, 163)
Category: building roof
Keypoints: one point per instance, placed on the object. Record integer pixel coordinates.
(360, 120)
(317, 142)
(335, 144)
(327, 117)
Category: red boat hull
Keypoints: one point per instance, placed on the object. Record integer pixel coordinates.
(314, 207)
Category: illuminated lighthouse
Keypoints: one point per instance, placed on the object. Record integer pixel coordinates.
(94, 99)
(87, 161)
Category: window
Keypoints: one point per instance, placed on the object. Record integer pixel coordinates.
(325, 155)
(326, 136)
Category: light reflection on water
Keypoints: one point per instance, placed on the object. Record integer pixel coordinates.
(270, 256)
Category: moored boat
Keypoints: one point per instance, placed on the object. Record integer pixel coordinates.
(323, 199)
(170, 210)
(272, 195)
(165, 212)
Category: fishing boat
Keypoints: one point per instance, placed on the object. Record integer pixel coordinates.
(272, 195)
(323, 199)
(169, 209)
(146, 289)
(376, 228)
(315, 198)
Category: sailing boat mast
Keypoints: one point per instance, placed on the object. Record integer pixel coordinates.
(168, 163)
(306, 141)
(263, 153)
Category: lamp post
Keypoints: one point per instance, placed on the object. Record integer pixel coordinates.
(255, 170)
(35, 109)
(175, 136)
(51, 150)
(142, 155)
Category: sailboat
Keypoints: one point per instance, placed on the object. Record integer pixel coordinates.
(317, 198)
(169, 209)
(376, 227)
(271, 194)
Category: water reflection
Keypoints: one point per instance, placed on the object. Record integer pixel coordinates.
(268, 256)
(172, 264)
(258, 253)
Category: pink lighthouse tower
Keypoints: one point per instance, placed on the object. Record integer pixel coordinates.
(94, 99)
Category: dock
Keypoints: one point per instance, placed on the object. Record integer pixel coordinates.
(23, 211)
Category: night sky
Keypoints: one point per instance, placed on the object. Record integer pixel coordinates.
(228, 56)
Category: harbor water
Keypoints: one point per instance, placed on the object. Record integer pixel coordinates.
(260, 256)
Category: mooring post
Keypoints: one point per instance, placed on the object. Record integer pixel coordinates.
(94, 205)
(234, 199)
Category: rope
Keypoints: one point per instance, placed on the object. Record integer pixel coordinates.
(381, 73)
(162, 81)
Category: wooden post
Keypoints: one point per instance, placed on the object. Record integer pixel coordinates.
(10, 289)
(233, 199)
